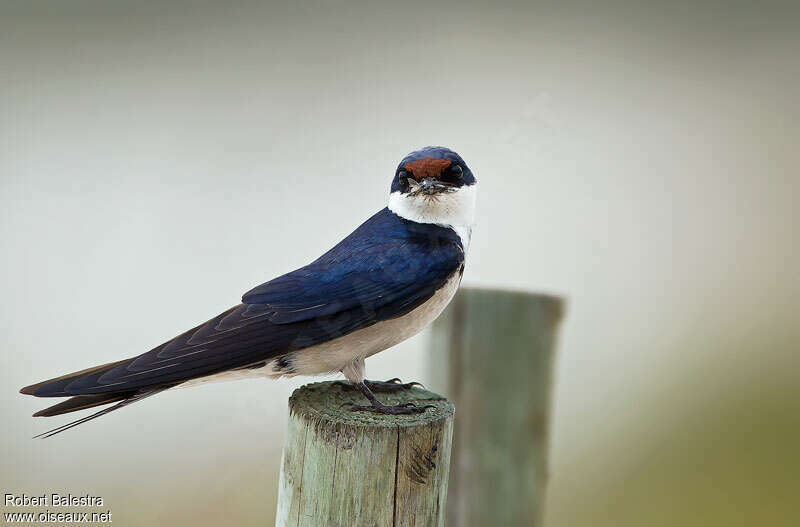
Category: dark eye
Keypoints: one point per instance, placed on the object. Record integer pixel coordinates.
(454, 175)
(403, 178)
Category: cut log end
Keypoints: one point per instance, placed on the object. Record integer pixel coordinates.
(326, 401)
(345, 467)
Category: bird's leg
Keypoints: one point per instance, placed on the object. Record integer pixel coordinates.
(390, 386)
(379, 407)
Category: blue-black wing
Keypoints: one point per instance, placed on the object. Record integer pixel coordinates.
(384, 269)
(384, 265)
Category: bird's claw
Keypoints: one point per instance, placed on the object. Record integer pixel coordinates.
(390, 386)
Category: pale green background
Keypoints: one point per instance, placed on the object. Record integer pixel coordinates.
(159, 159)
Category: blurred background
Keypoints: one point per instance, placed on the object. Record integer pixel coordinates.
(158, 159)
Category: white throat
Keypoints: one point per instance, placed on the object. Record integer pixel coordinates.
(453, 209)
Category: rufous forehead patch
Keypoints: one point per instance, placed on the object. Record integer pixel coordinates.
(427, 167)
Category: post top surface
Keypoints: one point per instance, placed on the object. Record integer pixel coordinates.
(323, 401)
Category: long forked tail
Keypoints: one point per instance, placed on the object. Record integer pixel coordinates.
(82, 402)
(88, 401)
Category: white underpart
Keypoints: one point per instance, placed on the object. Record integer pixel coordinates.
(453, 209)
(226, 376)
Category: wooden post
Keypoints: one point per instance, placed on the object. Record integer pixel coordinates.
(492, 353)
(345, 468)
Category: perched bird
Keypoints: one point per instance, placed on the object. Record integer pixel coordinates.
(382, 284)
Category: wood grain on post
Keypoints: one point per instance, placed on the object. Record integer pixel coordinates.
(345, 468)
(492, 353)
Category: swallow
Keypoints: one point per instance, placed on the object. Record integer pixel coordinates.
(385, 282)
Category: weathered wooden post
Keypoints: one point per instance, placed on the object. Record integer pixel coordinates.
(492, 353)
(345, 468)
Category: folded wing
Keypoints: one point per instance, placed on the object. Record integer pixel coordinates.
(382, 270)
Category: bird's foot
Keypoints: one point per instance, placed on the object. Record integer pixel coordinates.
(378, 407)
(390, 386)
(400, 409)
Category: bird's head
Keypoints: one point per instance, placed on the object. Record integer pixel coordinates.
(434, 185)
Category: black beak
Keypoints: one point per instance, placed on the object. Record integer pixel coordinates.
(434, 186)
(428, 185)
